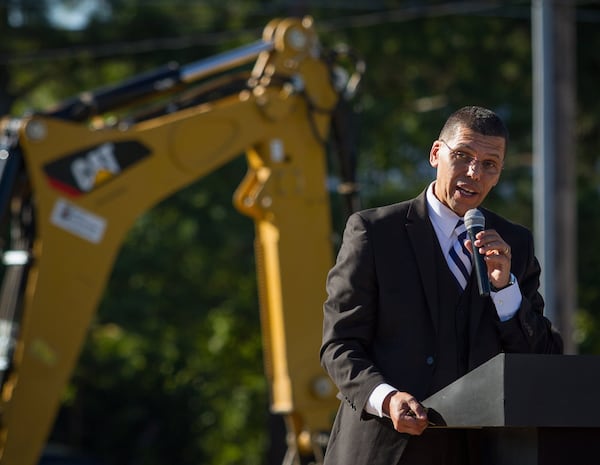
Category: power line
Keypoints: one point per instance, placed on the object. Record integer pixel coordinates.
(364, 20)
(211, 39)
(411, 13)
(127, 48)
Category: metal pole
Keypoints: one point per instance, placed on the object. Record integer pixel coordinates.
(543, 146)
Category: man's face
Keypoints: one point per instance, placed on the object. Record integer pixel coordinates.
(468, 166)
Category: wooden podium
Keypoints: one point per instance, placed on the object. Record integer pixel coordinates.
(533, 409)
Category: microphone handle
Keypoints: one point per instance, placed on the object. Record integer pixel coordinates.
(483, 282)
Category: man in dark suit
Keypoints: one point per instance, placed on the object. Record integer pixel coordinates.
(399, 324)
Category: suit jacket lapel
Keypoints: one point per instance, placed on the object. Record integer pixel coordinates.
(423, 241)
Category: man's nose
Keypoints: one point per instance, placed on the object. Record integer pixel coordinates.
(474, 169)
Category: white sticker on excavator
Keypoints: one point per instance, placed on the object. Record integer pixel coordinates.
(78, 221)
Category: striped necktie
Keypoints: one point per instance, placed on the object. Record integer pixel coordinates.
(460, 258)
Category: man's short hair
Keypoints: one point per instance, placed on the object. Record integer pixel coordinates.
(478, 119)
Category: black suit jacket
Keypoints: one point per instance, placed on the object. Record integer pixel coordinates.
(381, 320)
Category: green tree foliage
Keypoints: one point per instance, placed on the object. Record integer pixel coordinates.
(421, 69)
(172, 369)
(588, 184)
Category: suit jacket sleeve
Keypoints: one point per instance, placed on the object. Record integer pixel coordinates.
(350, 317)
(528, 331)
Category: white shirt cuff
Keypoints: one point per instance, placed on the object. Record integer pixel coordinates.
(507, 301)
(375, 404)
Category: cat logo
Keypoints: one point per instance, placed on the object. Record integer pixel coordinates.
(98, 166)
(81, 172)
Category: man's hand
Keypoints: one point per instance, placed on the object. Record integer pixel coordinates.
(406, 413)
(497, 256)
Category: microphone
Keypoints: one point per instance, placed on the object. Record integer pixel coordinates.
(475, 222)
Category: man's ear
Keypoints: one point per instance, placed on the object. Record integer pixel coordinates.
(434, 156)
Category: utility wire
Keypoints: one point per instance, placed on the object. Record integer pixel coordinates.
(365, 20)
(178, 43)
(127, 48)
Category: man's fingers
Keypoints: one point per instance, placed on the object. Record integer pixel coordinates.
(409, 423)
(417, 410)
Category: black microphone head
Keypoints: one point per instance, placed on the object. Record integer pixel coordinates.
(474, 219)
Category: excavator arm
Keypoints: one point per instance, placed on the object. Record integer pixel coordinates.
(75, 178)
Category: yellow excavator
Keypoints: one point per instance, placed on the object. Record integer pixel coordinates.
(75, 178)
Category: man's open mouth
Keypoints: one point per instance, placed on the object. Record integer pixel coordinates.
(464, 190)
